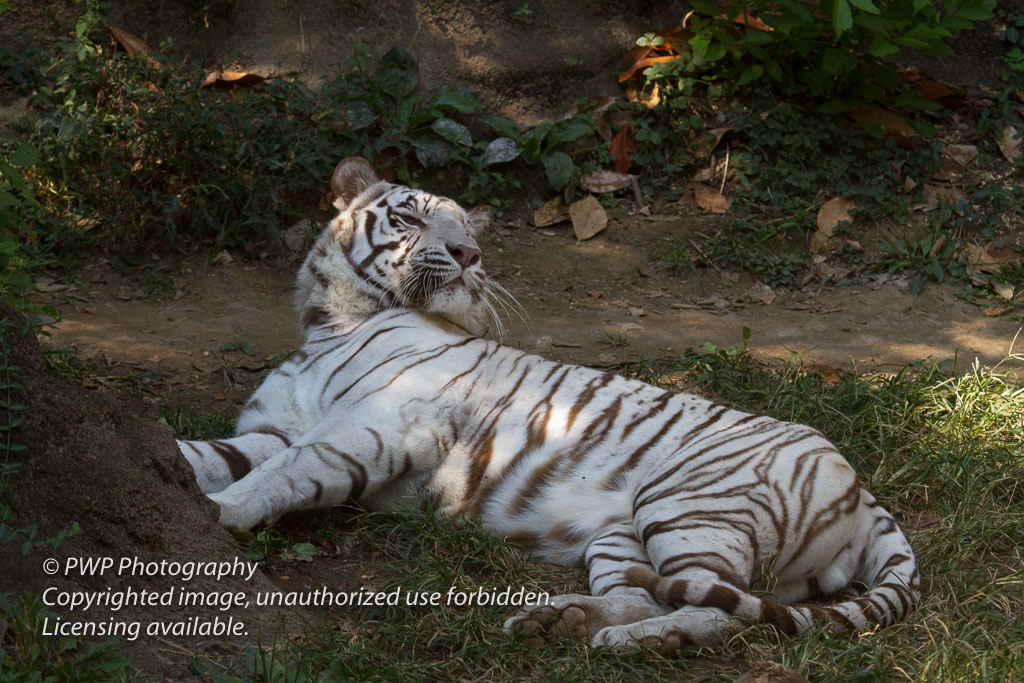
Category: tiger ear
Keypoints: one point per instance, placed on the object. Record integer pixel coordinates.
(351, 176)
(479, 218)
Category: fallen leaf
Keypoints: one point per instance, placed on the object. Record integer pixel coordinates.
(134, 45)
(622, 145)
(834, 211)
(892, 124)
(939, 243)
(605, 181)
(909, 184)
(640, 57)
(232, 78)
(830, 215)
(704, 150)
(710, 200)
(747, 19)
(632, 61)
(223, 258)
(993, 312)
(588, 217)
(762, 292)
(47, 285)
(983, 261)
(703, 175)
(943, 94)
(553, 211)
(1003, 290)
(638, 66)
(955, 158)
(651, 98)
(934, 194)
(826, 372)
(1010, 143)
(960, 153)
(590, 105)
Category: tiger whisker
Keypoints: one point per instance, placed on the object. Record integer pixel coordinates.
(509, 303)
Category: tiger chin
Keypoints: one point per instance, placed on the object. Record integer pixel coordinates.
(671, 502)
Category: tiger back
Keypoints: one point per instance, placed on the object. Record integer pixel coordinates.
(672, 502)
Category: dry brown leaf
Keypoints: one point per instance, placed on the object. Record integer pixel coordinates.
(942, 93)
(984, 261)
(702, 176)
(633, 60)
(134, 45)
(892, 124)
(704, 149)
(955, 159)
(645, 62)
(833, 211)
(962, 154)
(746, 18)
(909, 184)
(762, 292)
(553, 211)
(826, 372)
(622, 144)
(1003, 290)
(933, 194)
(605, 181)
(588, 217)
(223, 258)
(652, 98)
(830, 215)
(592, 105)
(993, 312)
(240, 79)
(1010, 144)
(989, 258)
(710, 199)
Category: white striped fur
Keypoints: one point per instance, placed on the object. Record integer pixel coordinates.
(672, 502)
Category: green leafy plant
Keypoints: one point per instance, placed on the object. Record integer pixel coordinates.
(933, 255)
(830, 50)
(18, 211)
(28, 654)
(1012, 34)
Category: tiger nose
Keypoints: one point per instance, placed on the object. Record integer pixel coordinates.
(464, 254)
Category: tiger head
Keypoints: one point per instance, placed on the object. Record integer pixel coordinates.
(393, 246)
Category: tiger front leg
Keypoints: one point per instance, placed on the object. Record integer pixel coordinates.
(300, 477)
(582, 617)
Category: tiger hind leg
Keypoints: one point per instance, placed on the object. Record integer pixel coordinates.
(614, 601)
(704, 544)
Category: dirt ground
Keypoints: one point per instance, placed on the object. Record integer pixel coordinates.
(598, 302)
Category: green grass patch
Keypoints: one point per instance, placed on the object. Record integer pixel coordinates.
(943, 452)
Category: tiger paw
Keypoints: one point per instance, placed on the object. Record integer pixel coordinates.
(631, 636)
(560, 619)
(688, 626)
(581, 617)
(237, 513)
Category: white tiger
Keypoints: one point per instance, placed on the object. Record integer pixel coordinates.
(672, 502)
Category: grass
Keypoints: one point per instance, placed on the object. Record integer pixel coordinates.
(944, 453)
